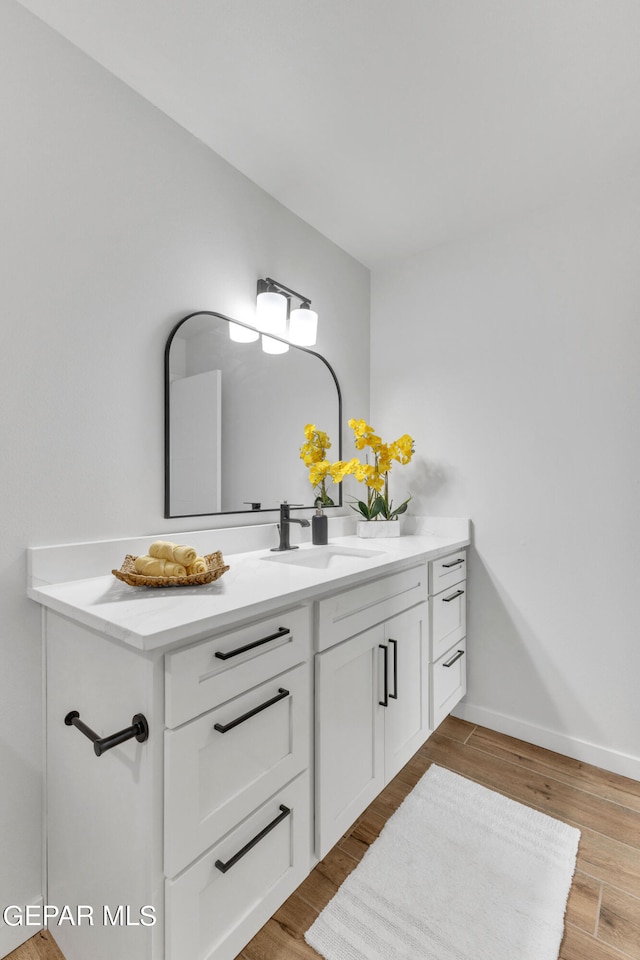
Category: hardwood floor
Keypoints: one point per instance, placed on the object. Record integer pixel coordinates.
(603, 914)
(40, 947)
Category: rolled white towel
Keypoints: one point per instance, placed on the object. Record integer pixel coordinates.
(177, 553)
(155, 567)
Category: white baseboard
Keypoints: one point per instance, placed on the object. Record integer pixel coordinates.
(613, 760)
(13, 937)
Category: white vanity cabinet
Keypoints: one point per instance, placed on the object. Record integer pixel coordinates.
(237, 798)
(235, 756)
(209, 821)
(448, 630)
(279, 703)
(372, 689)
(252, 737)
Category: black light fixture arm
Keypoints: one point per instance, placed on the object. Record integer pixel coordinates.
(139, 729)
(269, 282)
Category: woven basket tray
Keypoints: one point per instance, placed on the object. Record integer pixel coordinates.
(215, 564)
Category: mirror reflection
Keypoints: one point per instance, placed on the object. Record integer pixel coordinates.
(235, 419)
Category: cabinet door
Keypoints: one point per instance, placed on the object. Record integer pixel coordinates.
(220, 767)
(199, 677)
(448, 619)
(349, 733)
(407, 713)
(448, 682)
(447, 571)
(215, 906)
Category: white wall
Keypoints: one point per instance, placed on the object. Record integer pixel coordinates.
(115, 223)
(518, 355)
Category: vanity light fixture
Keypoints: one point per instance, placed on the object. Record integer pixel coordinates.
(241, 334)
(303, 325)
(271, 316)
(271, 345)
(274, 316)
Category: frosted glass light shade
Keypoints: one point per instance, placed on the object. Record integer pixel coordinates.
(303, 327)
(271, 313)
(241, 334)
(269, 345)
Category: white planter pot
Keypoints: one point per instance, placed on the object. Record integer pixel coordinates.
(378, 528)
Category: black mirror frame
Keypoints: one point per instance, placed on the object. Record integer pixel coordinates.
(167, 385)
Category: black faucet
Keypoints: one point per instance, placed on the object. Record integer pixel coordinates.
(283, 526)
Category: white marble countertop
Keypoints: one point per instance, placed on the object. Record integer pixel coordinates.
(149, 619)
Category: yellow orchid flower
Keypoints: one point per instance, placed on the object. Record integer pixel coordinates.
(403, 448)
(359, 427)
(313, 454)
(318, 472)
(375, 481)
(375, 476)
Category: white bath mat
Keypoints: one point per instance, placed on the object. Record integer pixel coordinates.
(458, 873)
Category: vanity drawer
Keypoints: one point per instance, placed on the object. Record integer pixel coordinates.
(214, 914)
(202, 676)
(359, 608)
(223, 765)
(448, 613)
(448, 682)
(446, 571)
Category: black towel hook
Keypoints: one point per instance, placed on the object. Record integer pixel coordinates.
(139, 729)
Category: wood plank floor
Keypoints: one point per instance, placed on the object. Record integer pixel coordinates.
(603, 914)
(40, 947)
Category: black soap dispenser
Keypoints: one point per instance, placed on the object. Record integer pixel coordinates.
(319, 528)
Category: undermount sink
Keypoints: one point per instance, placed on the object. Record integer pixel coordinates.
(322, 557)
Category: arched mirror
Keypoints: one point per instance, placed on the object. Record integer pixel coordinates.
(235, 419)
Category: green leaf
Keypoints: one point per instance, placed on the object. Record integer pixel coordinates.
(400, 510)
(379, 506)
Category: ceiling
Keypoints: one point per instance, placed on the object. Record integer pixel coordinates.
(389, 125)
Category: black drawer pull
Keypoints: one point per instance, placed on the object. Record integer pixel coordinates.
(456, 656)
(453, 563)
(282, 632)
(454, 596)
(224, 727)
(385, 702)
(223, 867)
(394, 695)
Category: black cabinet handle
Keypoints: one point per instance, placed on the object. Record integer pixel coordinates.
(394, 695)
(224, 727)
(223, 867)
(385, 701)
(456, 656)
(281, 632)
(454, 596)
(453, 563)
(139, 729)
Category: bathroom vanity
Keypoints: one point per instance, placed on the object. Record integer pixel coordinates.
(279, 701)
